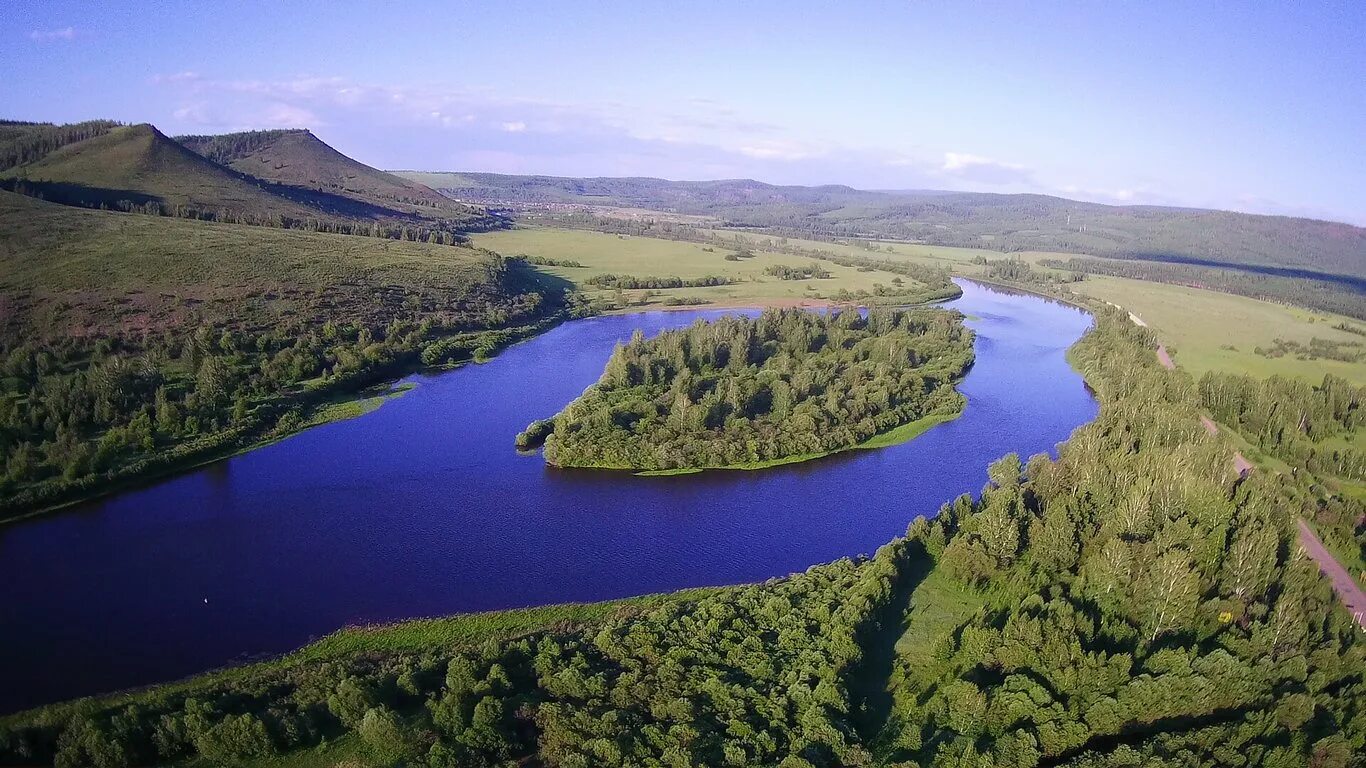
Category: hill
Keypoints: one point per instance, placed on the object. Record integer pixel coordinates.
(139, 164)
(304, 182)
(1279, 244)
(297, 158)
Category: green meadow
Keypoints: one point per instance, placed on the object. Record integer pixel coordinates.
(1207, 330)
(602, 253)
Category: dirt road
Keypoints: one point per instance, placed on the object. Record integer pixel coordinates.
(1349, 592)
(1240, 463)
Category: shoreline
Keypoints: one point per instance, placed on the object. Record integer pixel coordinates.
(898, 435)
(340, 407)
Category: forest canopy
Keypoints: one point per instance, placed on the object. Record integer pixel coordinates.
(741, 391)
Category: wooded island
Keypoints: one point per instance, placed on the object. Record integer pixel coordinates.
(749, 392)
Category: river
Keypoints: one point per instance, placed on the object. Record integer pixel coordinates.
(423, 508)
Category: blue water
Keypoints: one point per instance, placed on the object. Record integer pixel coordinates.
(423, 508)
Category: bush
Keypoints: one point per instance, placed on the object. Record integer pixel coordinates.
(236, 737)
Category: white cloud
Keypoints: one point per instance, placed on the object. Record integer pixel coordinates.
(290, 116)
(984, 170)
(53, 35)
(196, 114)
(513, 126)
(778, 149)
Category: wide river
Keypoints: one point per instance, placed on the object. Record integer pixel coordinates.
(423, 508)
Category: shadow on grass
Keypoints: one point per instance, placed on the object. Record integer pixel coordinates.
(869, 680)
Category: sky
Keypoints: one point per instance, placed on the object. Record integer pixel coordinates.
(1257, 107)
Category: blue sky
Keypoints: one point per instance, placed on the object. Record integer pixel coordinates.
(1250, 106)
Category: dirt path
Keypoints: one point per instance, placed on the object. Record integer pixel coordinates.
(1348, 590)
(1240, 463)
(1164, 358)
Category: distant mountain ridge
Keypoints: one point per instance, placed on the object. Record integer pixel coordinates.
(984, 220)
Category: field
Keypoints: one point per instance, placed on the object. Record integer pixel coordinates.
(601, 253)
(1207, 330)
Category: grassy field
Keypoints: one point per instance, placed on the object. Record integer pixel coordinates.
(1207, 330)
(65, 270)
(939, 605)
(601, 253)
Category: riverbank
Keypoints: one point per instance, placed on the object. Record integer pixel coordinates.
(408, 636)
(267, 425)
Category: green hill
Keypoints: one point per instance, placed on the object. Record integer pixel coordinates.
(297, 158)
(139, 164)
(279, 178)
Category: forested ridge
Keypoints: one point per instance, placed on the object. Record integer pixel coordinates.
(1131, 603)
(742, 390)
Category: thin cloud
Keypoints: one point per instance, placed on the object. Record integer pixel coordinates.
(984, 170)
(513, 126)
(65, 34)
(778, 150)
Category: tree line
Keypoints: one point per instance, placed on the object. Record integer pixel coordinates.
(631, 282)
(1291, 419)
(1340, 296)
(812, 271)
(742, 390)
(22, 143)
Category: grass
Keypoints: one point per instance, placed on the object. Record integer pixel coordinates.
(354, 407)
(602, 253)
(939, 605)
(1218, 331)
(70, 270)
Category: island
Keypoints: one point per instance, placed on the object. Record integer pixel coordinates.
(752, 392)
